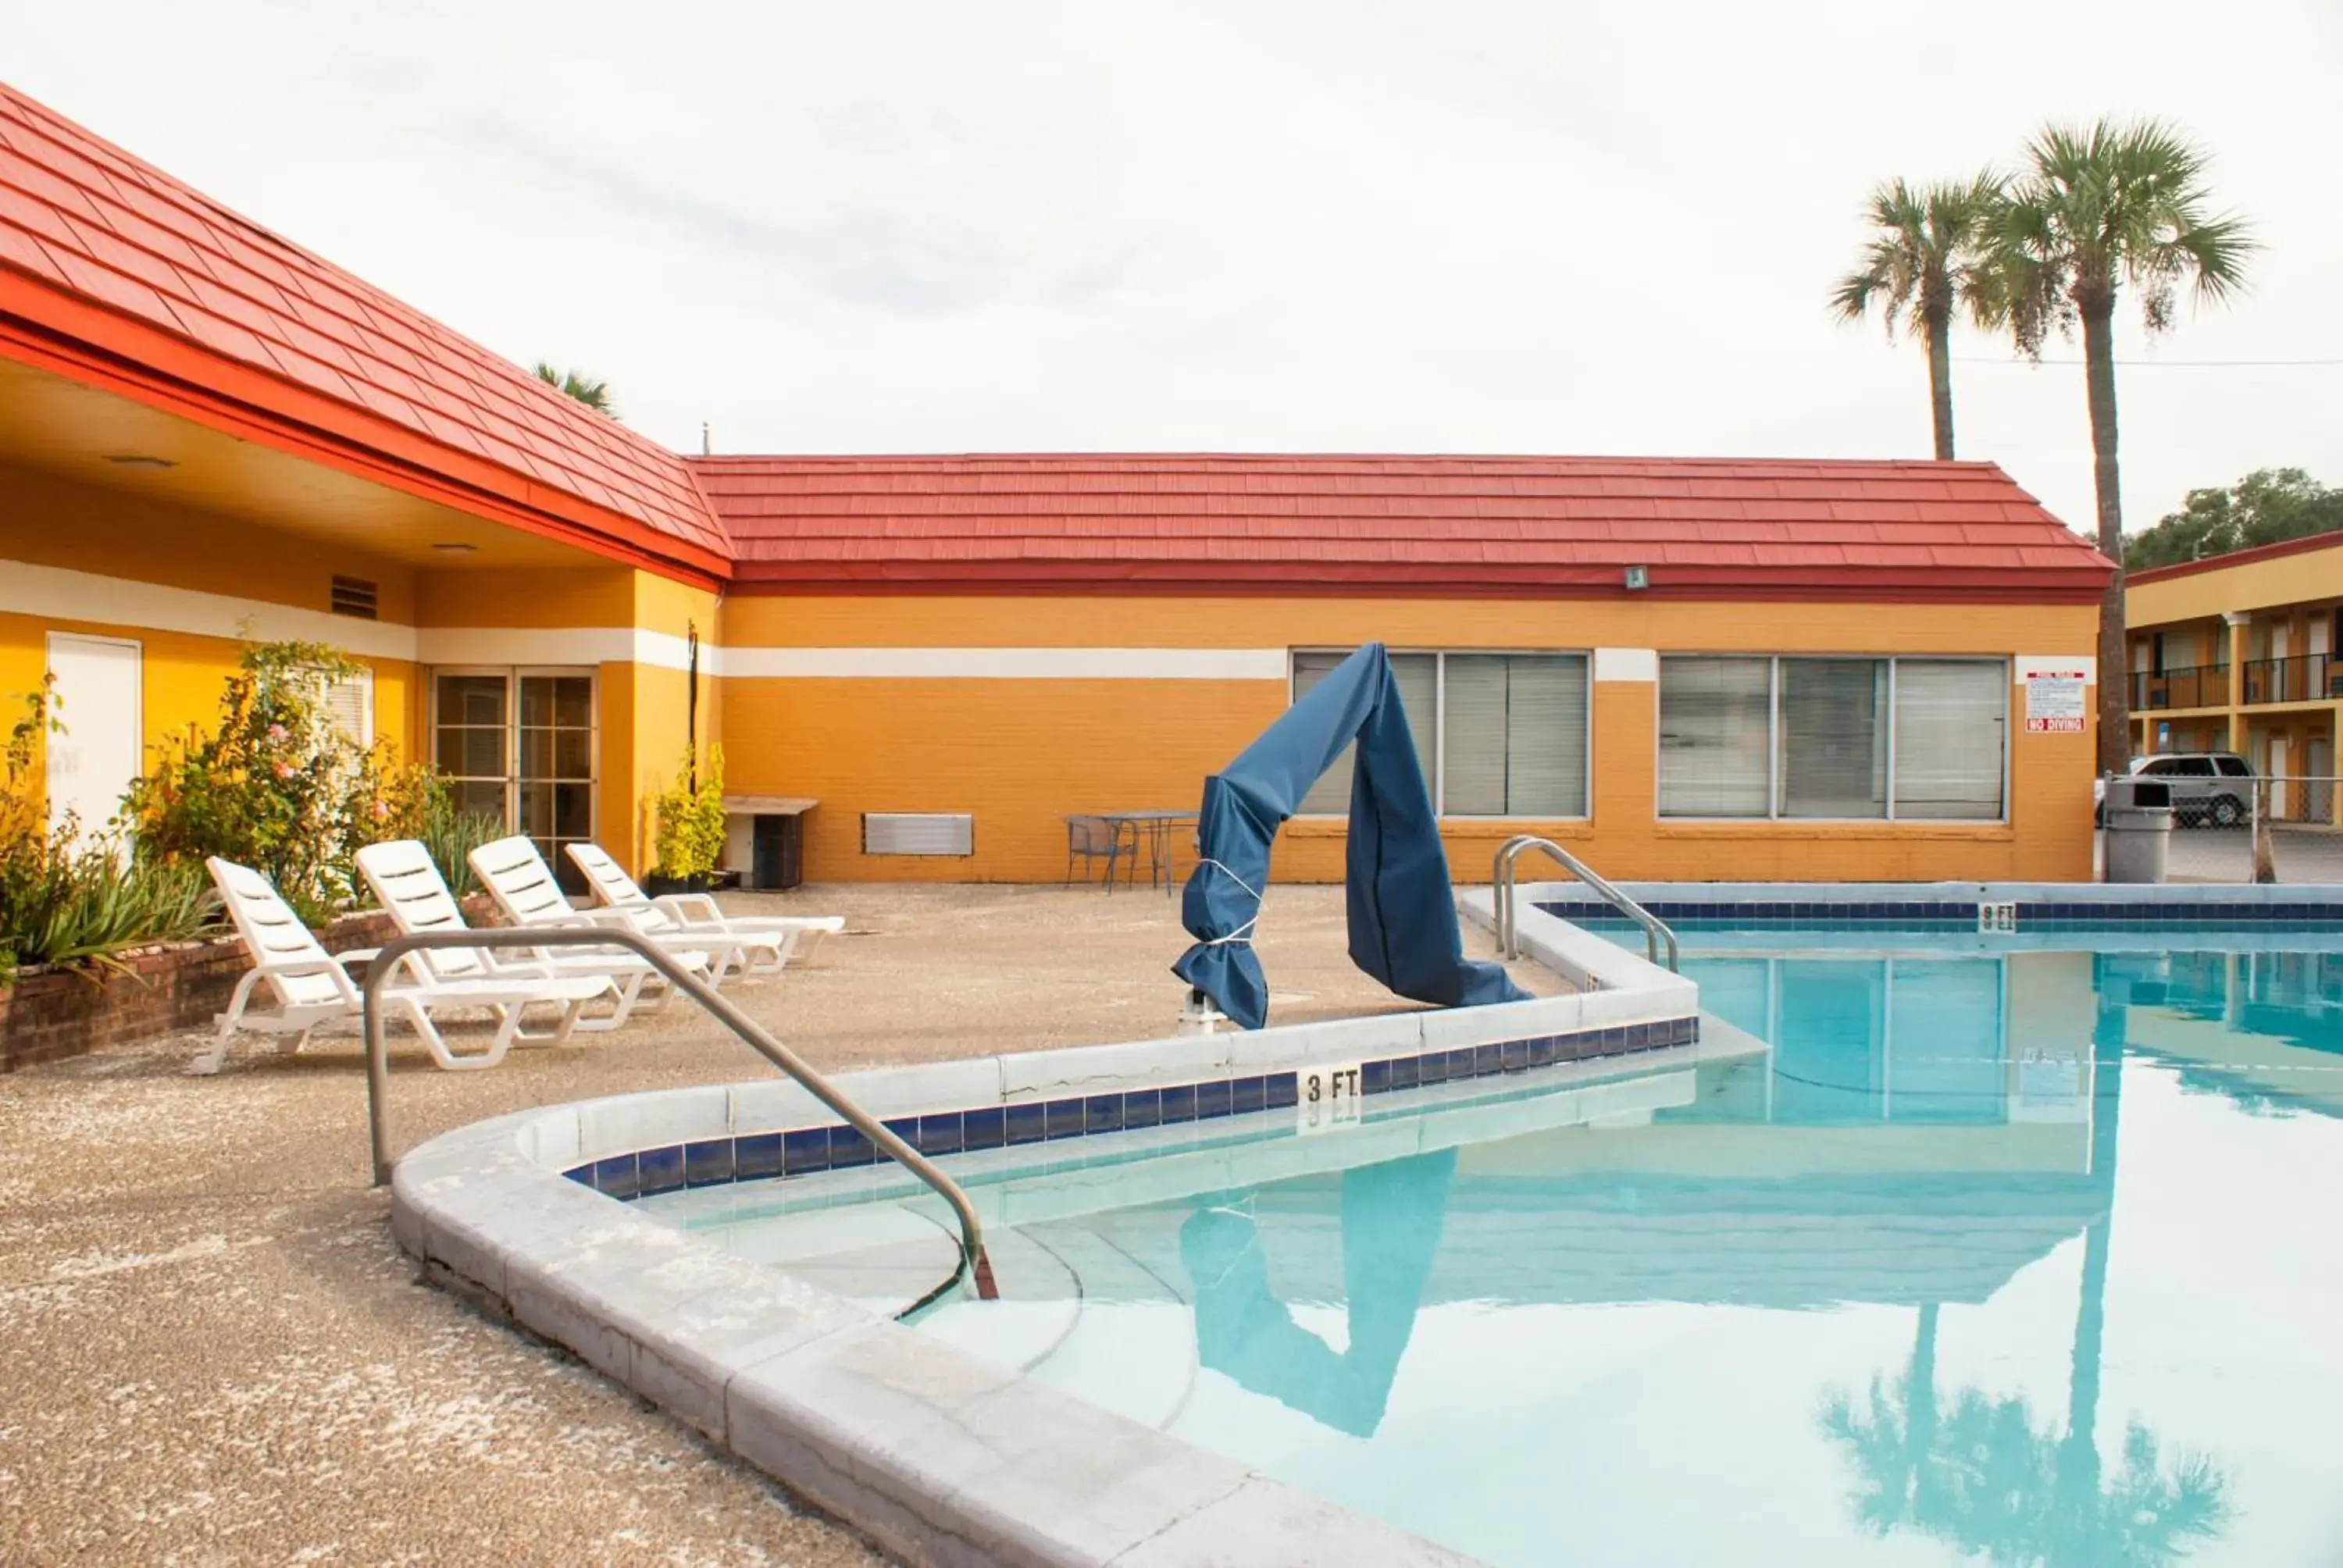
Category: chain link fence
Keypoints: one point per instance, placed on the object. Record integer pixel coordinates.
(2268, 830)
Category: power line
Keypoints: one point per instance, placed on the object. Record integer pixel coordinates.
(2152, 363)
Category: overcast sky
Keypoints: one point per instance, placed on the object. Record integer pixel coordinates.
(1463, 226)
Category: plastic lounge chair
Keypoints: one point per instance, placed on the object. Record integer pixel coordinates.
(407, 883)
(313, 987)
(522, 884)
(777, 937)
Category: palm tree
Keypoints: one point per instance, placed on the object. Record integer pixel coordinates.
(2095, 211)
(1985, 1478)
(1922, 259)
(592, 391)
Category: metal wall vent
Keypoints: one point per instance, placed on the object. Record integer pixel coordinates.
(919, 834)
(354, 595)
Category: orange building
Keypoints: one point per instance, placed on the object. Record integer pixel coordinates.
(1699, 669)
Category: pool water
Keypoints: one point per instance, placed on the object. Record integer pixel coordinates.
(2002, 1256)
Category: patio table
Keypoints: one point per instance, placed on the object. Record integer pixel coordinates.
(1154, 828)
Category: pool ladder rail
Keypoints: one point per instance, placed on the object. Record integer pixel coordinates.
(973, 1265)
(1504, 912)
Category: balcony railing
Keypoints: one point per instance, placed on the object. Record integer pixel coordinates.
(2199, 685)
(2303, 677)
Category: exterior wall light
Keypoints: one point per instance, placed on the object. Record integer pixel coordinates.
(1639, 578)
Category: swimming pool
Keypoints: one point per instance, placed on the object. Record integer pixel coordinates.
(2010, 1250)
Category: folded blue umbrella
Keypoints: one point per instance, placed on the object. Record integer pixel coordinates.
(1402, 912)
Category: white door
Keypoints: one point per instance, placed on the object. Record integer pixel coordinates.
(97, 756)
(2277, 792)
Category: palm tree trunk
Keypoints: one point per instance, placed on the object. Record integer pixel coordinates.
(1940, 381)
(2078, 1454)
(2115, 690)
(1920, 1410)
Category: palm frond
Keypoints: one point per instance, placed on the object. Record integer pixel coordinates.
(592, 391)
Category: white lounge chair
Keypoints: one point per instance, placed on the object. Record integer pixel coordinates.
(517, 877)
(407, 883)
(778, 938)
(313, 989)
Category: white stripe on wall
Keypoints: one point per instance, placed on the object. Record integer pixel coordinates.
(1626, 664)
(55, 593)
(1006, 663)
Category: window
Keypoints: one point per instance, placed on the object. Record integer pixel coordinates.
(519, 746)
(1716, 737)
(1833, 750)
(2234, 768)
(349, 708)
(1498, 734)
(1833, 739)
(1948, 717)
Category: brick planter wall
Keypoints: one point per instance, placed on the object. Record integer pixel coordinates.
(50, 1014)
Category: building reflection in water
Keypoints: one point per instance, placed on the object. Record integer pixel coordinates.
(1907, 1143)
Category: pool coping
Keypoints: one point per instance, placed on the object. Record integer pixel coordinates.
(2034, 903)
(938, 1456)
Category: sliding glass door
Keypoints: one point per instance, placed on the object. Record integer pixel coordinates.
(518, 745)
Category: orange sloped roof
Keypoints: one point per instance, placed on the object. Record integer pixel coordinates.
(87, 223)
(1885, 530)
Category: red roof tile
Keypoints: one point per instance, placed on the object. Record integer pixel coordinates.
(79, 214)
(1948, 530)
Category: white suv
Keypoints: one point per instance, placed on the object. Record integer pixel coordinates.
(2209, 788)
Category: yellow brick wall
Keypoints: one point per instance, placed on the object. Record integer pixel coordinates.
(1021, 754)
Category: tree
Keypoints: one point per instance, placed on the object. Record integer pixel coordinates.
(2093, 211)
(2267, 507)
(592, 391)
(1922, 265)
(1984, 1478)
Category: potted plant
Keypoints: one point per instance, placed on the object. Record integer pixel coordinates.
(689, 840)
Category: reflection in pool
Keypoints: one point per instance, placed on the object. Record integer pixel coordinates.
(1999, 1258)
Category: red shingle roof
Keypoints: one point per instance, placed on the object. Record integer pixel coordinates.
(1894, 529)
(82, 216)
(112, 268)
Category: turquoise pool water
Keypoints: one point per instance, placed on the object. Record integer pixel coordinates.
(2002, 1256)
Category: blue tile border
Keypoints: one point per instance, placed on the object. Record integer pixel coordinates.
(2037, 914)
(810, 1151)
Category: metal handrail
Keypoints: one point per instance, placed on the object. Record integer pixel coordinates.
(972, 1260)
(1501, 875)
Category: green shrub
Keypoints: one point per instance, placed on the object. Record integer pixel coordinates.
(690, 838)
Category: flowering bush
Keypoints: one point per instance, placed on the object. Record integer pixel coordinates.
(280, 787)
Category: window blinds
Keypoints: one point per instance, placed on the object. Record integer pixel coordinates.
(1833, 750)
(1950, 715)
(1714, 718)
(1516, 735)
(1418, 674)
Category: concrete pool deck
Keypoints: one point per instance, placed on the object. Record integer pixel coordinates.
(217, 1352)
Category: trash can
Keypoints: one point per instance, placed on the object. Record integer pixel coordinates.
(2139, 829)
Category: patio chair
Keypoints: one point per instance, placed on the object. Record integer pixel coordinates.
(406, 882)
(517, 877)
(1093, 838)
(313, 989)
(767, 942)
